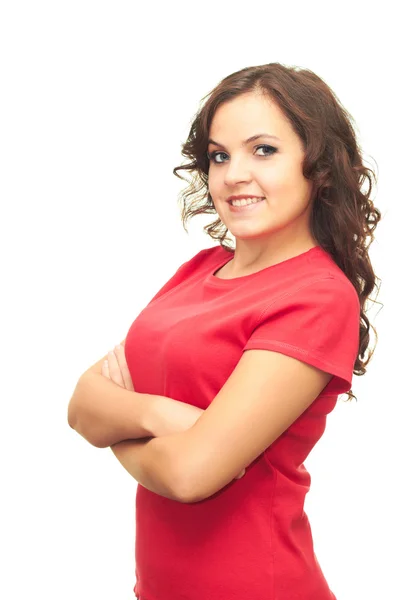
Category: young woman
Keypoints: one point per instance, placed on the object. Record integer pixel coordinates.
(241, 355)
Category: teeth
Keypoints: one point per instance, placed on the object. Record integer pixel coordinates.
(245, 202)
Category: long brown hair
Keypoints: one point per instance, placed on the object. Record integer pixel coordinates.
(343, 217)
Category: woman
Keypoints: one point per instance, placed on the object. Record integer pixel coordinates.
(258, 339)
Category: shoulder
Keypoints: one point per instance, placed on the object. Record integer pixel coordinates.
(326, 279)
(317, 307)
(328, 296)
(328, 288)
(322, 263)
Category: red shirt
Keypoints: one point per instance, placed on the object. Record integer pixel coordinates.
(252, 539)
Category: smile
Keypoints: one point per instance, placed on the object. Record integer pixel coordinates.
(246, 207)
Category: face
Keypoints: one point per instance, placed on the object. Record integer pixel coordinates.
(266, 167)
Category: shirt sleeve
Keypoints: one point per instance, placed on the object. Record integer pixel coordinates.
(319, 324)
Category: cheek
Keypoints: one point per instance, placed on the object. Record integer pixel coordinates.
(214, 187)
(285, 185)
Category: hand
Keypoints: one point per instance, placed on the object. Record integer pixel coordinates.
(116, 369)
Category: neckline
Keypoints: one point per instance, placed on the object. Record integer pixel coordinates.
(222, 261)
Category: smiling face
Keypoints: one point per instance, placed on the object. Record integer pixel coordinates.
(265, 167)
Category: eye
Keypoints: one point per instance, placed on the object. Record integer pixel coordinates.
(213, 155)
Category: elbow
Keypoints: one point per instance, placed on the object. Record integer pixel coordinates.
(72, 420)
(189, 478)
(73, 408)
(168, 465)
(77, 422)
(199, 482)
(186, 486)
(186, 495)
(89, 435)
(190, 469)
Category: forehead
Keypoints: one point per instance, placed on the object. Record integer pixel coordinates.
(247, 115)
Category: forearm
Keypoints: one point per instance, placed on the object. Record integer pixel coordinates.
(105, 413)
(154, 463)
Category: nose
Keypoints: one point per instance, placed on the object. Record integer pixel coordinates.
(236, 172)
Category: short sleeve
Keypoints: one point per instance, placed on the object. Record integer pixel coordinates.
(317, 323)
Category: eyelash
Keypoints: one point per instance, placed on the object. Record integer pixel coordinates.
(212, 155)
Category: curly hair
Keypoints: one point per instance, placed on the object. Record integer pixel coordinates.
(343, 217)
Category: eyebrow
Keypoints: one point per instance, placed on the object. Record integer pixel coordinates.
(250, 139)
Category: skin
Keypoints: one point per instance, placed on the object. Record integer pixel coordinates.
(279, 227)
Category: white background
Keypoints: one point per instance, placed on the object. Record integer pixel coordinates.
(96, 100)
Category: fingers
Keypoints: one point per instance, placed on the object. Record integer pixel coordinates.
(125, 372)
(240, 475)
(105, 369)
(114, 369)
